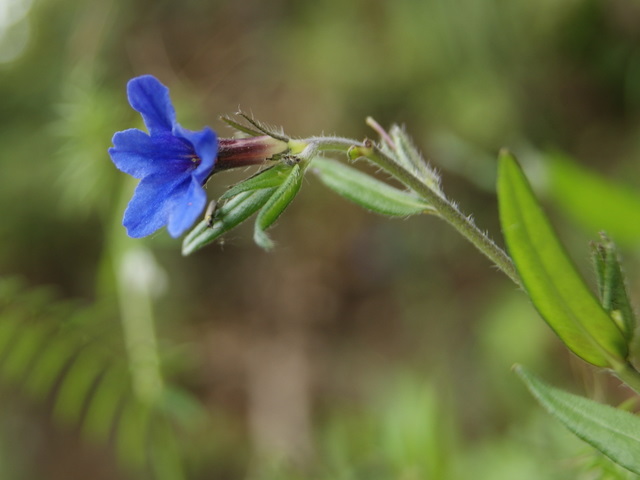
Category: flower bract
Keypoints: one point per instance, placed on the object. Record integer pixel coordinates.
(171, 162)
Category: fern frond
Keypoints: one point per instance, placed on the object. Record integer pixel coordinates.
(73, 356)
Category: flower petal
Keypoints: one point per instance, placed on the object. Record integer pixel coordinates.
(205, 144)
(153, 199)
(136, 153)
(186, 208)
(151, 98)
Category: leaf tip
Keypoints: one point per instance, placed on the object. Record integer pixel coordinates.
(505, 155)
(263, 240)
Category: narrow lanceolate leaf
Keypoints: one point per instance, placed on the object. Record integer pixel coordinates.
(231, 214)
(615, 433)
(366, 191)
(549, 277)
(268, 178)
(276, 204)
(611, 285)
(409, 155)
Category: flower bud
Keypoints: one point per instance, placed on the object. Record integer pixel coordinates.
(242, 152)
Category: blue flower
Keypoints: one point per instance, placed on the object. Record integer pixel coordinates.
(172, 163)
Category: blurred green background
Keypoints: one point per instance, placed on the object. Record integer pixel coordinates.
(362, 347)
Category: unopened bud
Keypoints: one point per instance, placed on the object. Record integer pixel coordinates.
(242, 152)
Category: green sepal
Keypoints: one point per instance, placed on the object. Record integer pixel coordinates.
(233, 212)
(550, 278)
(268, 178)
(275, 205)
(256, 127)
(252, 132)
(367, 191)
(611, 285)
(614, 432)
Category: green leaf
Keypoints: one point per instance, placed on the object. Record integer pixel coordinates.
(77, 385)
(239, 203)
(132, 434)
(276, 204)
(548, 275)
(24, 350)
(71, 356)
(103, 409)
(163, 440)
(595, 202)
(9, 331)
(50, 365)
(231, 214)
(367, 191)
(611, 285)
(410, 157)
(615, 433)
(268, 178)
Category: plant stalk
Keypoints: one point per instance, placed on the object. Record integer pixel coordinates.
(446, 209)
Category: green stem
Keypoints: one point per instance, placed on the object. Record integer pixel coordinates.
(446, 209)
(140, 337)
(333, 144)
(136, 312)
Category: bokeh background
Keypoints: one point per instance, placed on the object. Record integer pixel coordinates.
(361, 347)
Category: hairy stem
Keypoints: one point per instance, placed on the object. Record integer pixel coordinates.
(445, 208)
